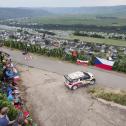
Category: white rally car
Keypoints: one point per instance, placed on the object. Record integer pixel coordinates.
(79, 79)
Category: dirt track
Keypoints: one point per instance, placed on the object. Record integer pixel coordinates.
(54, 105)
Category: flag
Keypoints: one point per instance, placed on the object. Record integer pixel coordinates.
(103, 63)
(82, 62)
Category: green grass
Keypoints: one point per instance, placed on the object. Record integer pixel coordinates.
(77, 19)
(118, 97)
(99, 40)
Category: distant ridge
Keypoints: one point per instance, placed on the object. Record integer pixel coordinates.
(7, 13)
(88, 10)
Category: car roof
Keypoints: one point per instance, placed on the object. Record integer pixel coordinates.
(76, 75)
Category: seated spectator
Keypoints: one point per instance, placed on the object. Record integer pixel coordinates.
(10, 98)
(4, 120)
(19, 122)
(9, 73)
(9, 90)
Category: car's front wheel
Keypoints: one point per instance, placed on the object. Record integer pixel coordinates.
(92, 82)
(74, 87)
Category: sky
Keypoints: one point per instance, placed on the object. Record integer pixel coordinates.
(59, 3)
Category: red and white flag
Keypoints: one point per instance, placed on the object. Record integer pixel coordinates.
(103, 63)
(82, 62)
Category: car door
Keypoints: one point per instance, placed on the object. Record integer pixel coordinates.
(83, 81)
(86, 79)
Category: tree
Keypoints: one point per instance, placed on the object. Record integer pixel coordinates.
(120, 64)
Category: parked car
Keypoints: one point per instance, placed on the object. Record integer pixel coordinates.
(79, 79)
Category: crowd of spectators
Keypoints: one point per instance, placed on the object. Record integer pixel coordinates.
(14, 112)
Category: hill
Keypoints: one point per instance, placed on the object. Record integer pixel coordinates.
(8, 13)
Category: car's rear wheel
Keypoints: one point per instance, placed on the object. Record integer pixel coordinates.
(74, 87)
(92, 82)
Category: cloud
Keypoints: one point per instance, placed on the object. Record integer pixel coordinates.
(40, 3)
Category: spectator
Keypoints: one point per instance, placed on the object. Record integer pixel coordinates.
(4, 120)
(19, 122)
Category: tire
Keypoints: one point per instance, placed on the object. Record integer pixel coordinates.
(92, 82)
(74, 87)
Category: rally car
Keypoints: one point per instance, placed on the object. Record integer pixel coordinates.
(79, 79)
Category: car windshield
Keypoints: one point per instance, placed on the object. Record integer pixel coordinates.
(86, 75)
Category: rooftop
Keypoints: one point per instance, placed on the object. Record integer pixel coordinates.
(76, 75)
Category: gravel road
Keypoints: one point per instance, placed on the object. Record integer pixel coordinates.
(53, 104)
(104, 78)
